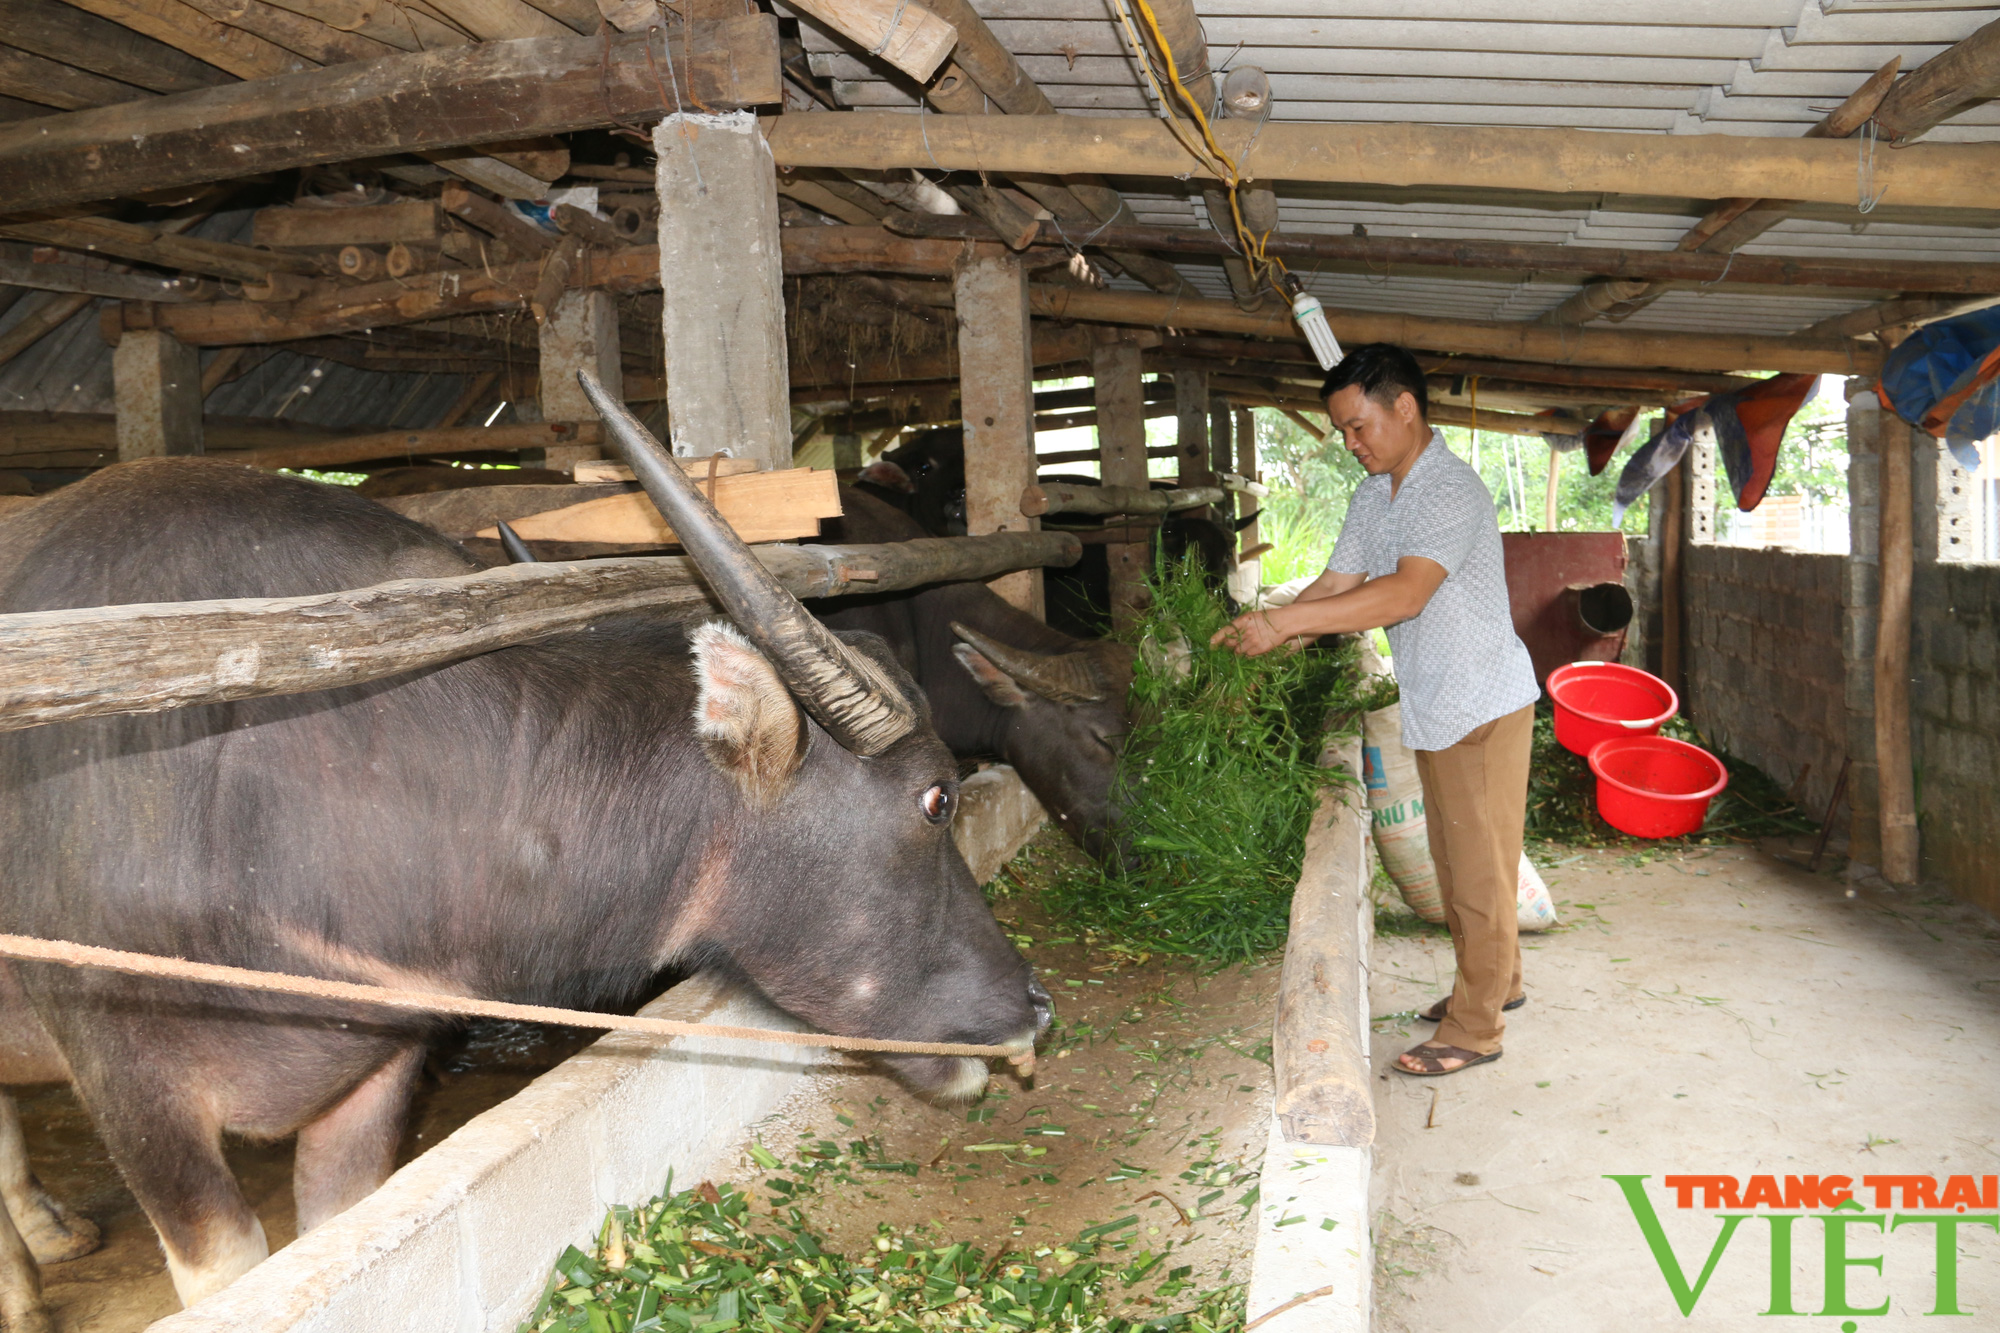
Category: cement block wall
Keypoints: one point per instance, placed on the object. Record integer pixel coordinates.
(1765, 677)
(1955, 720)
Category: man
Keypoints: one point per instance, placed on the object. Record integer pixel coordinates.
(1420, 555)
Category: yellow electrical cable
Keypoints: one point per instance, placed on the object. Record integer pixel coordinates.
(1262, 266)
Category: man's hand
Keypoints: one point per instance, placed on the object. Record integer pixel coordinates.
(1251, 634)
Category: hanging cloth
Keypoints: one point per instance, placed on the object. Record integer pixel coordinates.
(1945, 377)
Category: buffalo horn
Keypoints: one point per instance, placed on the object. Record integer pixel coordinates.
(857, 703)
(1064, 678)
(516, 549)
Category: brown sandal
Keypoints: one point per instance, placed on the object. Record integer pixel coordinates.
(1433, 1056)
(1436, 1013)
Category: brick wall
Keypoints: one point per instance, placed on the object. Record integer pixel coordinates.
(1955, 718)
(1765, 679)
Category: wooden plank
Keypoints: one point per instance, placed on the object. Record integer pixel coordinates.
(66, 33)
(55, 84)
(996, 396)
(1067, 498)
(403, 103)
(147, 657)
(1512, 158)
(760, 506)
(243, 54)
(604, 470)
(303, 34)
(904, 34)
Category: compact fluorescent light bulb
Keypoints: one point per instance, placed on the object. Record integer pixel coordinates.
(1311, 318)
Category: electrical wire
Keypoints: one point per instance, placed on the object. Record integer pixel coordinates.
(1264, 269)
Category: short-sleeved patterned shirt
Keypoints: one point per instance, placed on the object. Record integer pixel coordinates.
(1459, 664)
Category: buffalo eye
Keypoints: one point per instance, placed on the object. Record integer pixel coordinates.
(936, 804)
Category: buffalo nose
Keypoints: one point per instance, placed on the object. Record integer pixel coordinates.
(1045, 1007)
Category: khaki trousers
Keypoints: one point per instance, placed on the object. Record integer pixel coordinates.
(1475, 802)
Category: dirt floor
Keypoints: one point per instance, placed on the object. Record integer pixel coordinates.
(124, 1285)
(1704, 1011)
(1146, 1123)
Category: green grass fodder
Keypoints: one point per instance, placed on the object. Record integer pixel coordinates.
(1218, 783)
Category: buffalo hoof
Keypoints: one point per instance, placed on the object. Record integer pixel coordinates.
(55, 1234)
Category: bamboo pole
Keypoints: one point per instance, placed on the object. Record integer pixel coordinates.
(1896, 785)
(1560, 161)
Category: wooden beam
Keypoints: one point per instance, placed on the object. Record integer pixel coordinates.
(149, 657)
(1065, 498)
(1525, 342)
(402, 103)
(1510, 257)
(318, 42)
(1687, 382)
(189, 254)
(19, 268)
(412, 223)
(1559, 161)
(55, 84)
(1946, 84)
(996, 385)
(1903, 312)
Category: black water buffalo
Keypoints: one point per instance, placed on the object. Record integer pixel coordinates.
(552, 823)
(925, 478)
(1001, 683)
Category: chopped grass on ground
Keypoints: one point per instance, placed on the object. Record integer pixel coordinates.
(1218, 781)
(698, 1261)
(1562, 797)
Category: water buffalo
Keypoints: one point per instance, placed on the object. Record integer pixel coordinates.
(924, 477)
(1001, 683)
(552, 823)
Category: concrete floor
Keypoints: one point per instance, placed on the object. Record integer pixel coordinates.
(1714, 1012)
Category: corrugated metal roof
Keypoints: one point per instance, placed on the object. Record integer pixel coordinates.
(1748, 67)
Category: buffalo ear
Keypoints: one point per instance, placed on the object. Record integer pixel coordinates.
(747, 720)
(994, 683)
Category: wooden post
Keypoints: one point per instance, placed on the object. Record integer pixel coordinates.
(156, 385)
(1895, 781)
(1121, 445)
(1191, 414)
(580, 333)
(1670, 579)
(996, 396)
(1549, 496)
(1247, 467)
(722, 288)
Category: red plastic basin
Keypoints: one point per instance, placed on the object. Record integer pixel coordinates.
(1655, 786)
(1601, 701)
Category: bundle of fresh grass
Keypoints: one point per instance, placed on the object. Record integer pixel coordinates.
(1218, 784)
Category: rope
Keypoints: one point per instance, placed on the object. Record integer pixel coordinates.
(29, 949)
(890, 32)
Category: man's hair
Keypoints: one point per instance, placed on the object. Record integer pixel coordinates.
(1385, 373)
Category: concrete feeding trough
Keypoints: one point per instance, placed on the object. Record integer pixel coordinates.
(462, 1238)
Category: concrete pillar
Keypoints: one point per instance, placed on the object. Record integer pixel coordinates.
(722, 283)
(156, 390)
(1699, 468)
(1943, 494)
(580, 333)
(1120, 400)
(1861, 587)
(996, 394)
